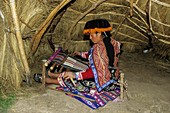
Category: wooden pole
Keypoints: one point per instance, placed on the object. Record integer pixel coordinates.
(120, 26)
(131, 8)
(43, 77)
(121, 85)
(19, 39)
(148, 14)
(2, 60)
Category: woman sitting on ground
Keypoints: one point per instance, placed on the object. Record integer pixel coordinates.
(103, 58)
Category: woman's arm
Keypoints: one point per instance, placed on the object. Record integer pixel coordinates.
(82, 75)
(82, 54)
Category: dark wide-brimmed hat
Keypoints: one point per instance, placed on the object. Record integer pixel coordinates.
(97, 25)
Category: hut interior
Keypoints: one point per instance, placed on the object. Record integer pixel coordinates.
(31, 29)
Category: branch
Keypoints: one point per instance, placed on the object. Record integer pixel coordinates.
(19, 37)
(137, 25)
(120, 25)
(136, 1)
(164, 41)
(167, 36)
(161, 3)
(163, 31)
(141, 18)
(26, 24)
(131, 8)
(4, 44)
(130, 28)
(148, 14)
(131, 37)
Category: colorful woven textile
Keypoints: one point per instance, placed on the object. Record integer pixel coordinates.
(69, 62)
(90, 97)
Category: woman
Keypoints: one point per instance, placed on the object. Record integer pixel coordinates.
(103, 58)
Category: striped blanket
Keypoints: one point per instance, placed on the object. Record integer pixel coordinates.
(89, 96)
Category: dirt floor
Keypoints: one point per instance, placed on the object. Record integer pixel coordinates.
(148, 90)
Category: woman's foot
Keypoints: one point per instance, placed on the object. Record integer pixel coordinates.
(38, 77)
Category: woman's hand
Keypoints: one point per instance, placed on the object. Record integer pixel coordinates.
(69, 75)
(76, 53)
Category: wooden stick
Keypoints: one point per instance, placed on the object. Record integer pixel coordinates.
(127, 26)
(131, 37)
(162, 28)
(43, 77)
(136, 1)
(52, 67)
(121, 86)
(120, 26)
(126, 92)
(3, 50)
(69, 93)
(131, 8)
(161, 3)
(61, 69)
(73, 82)
(130, 20)
(20, 42)
(148, 14)
(26, 24)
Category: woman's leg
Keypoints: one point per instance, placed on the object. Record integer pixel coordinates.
(54, 78)
(53, 75)
(51, 81)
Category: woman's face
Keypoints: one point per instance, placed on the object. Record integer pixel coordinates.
(95, 37)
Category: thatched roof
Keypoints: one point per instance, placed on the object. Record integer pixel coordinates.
(136, 23)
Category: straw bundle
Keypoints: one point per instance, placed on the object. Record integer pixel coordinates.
(14, 66)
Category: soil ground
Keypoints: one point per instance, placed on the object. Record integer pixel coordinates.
(148, 91)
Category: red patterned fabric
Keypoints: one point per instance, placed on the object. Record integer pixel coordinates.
(88, 74)
(101, 62)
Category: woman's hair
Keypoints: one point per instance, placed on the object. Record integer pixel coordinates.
(109, 47)
(97, 25)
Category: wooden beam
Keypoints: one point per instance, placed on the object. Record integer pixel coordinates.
(19, 39)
